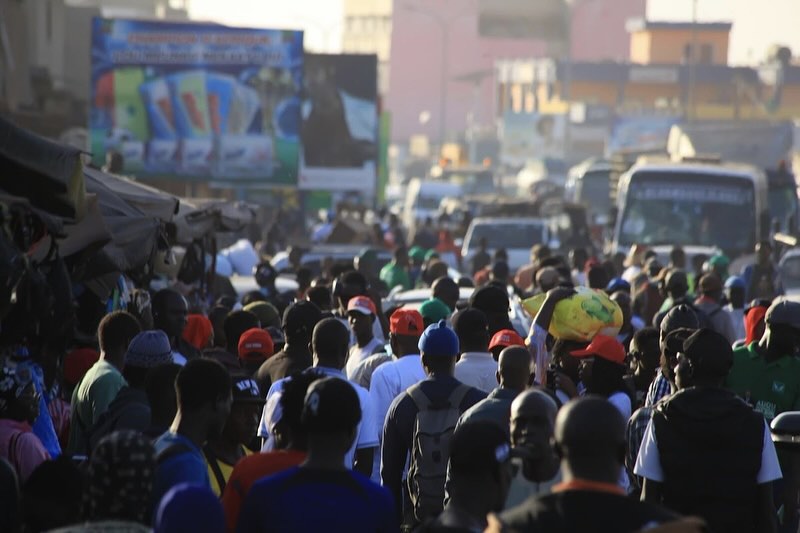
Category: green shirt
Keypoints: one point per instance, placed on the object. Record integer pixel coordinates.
(393, 275)
(771, 388)
(90, 399)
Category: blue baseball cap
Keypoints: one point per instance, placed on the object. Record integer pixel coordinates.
(734, 281)
(618, 284)
(439, 340)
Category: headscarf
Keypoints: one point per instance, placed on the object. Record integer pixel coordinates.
(754, 322)
(120, 481)
(198, 331)
(190, 509)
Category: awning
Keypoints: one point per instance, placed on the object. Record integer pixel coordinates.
(199, 217)
(48, 174)
(146, 199)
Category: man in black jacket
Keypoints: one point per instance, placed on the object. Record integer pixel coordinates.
(706, 452)
(590, 438)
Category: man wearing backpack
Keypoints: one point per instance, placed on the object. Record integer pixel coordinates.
(131, 408)
(419, 426)
(708, 302)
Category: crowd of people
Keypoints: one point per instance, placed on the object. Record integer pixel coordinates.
(323, 411)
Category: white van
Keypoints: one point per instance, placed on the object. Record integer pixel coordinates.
(423, 198)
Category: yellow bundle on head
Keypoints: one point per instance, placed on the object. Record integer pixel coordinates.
(581, 316)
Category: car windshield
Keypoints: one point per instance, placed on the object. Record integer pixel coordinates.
(790, 272)
(508, 236)
(594, 191)
(429, 203)
(481, 182)
(689, 209)
(555, 166)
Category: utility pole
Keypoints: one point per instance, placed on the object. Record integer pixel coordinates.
(693, 55)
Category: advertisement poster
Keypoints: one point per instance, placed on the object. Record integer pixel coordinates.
(526, 136)
(197, 101)
(640, 133)
(340, 124)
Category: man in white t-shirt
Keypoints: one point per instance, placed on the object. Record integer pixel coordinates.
(477, 367)
(361, 315)
(390, 379)
(329, 344)
(705, 452)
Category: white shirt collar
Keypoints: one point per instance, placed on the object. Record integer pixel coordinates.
(476, 355)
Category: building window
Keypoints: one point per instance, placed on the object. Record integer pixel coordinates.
(706, 54)
(687, 53)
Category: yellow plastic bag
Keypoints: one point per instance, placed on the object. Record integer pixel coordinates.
(581, 316)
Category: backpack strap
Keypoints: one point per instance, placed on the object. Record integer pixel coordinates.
(458, 395)
(173, 450)
(12, 448)
(213, 462)
(420, 398)
(424, 403)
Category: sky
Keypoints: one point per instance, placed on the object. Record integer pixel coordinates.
(757, 23)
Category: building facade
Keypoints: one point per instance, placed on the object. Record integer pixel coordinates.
(442, 70)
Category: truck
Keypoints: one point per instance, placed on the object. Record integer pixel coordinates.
(764, 144)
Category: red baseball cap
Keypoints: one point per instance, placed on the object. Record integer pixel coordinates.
(361, 304)
(406, 322)
(603, 346)
(506, 338)
(256, 341)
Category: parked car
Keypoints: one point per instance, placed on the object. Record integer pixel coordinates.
(413, 299)
(516, 235)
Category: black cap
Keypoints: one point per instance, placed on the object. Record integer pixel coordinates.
(301, 316)
(709, 352)
(478, 447)
(468, 322)
(490, 299)
(676, 280)
(681, 316)
(784, 312)
(673, 342)
(245, 390)
(331, 406)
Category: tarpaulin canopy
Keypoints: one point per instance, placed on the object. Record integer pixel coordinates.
(199, 217)
(148, 200)
(134, 234)
(47, 173)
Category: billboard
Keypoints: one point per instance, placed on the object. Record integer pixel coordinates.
(340, 123)
(640, 133)
(525, 136)
(197, 101)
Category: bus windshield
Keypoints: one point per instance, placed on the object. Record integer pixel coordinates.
(689, 209)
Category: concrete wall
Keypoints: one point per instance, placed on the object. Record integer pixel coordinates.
(598, 33)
